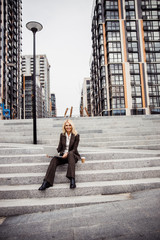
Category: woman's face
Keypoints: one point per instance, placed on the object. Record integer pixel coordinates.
(68, 127)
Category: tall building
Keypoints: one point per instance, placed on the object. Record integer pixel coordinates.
(125, 66)
(53, 105)
(42, 73)
(27, 100)
(10, 51)
(85, 106)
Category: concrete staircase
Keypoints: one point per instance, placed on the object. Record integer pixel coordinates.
(122, 156)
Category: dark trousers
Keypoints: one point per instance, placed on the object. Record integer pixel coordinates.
(50, 174)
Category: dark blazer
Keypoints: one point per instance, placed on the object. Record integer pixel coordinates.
(73, 145)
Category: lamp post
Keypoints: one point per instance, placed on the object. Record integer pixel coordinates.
(34, 27)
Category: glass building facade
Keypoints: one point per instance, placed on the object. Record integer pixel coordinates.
(125, 65)
(10, 53)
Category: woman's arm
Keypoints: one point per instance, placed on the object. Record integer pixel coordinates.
(60, 144)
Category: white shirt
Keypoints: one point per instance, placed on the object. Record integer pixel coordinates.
(67, 142)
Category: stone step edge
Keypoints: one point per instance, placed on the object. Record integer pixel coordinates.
(26, 164)
(84, 172)
(63, 200)
(14, 209)
(60, 186)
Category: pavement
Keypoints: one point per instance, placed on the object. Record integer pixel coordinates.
(134, 218)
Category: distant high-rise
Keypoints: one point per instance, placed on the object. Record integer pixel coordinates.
(27, 100)
(85, 106)
(10, 51)
(42, 73)
(53, 105)
(125, 66)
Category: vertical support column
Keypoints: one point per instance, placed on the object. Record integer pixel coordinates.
(142, 86)
(142, 42)
(105, 58)
(24, 98)
(125, 86)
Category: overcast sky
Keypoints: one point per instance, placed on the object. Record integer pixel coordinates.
(66, 41)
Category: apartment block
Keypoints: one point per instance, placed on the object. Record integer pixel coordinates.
(85, 106)
(42, 75)
(53, 105)
(27, 99)
(10, 51)
(125, 64)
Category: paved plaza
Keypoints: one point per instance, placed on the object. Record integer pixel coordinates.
(137, 218)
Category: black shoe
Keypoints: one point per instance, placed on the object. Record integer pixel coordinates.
(44, 185)
(72, 183)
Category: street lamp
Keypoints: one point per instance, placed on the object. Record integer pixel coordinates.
(34, 27)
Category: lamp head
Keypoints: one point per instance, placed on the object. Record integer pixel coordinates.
(34, 26)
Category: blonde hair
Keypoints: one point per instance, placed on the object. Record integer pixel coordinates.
(73, 128)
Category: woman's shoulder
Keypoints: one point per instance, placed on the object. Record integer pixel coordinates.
(76, 135)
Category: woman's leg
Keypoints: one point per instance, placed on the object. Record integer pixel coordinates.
(71, 165)
(50, 174)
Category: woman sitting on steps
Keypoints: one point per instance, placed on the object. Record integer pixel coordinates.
(67, 148)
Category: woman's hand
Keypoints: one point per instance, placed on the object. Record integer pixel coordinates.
(65, 155)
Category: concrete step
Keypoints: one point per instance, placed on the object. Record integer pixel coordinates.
(52, 198)
(147, 147)
(14, 151)
(35, 166)
(120, 143)
(90, 156)
(82, 189)
(51, 130)
(23, 158)
(25, 206)
(82, 176)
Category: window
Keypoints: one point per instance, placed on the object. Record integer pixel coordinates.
(130, 15)
(101, 50)
(112, 26)
(100, 29)
(137, 102)
(113, 36)
(131, 36)
(152, 46)
(99, 19)
(135, 79)
(129, 4)
(134, 68)
(115, 69)
(132, 46)
(152, 57)
(111, 4)
(100, 39)
(151, 25)
(116, 80)
(103, 73)
(114, 47)
(117, 103)
(131, 25)
(136, 91)
(153, 79)
(150, 14)
(102, 62)
(112, 15)
(149, 36)
(153, 68)
(133, 57)
(114, 57)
